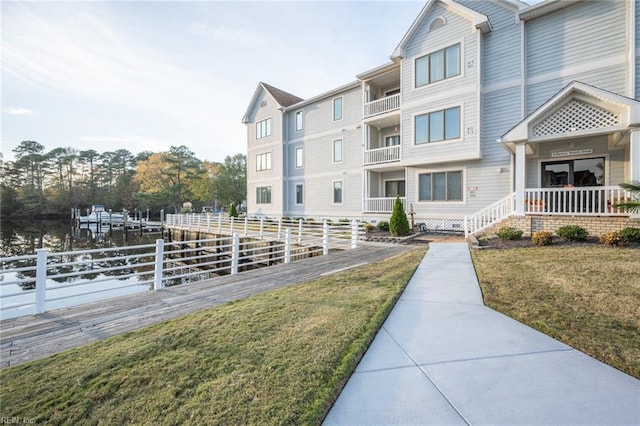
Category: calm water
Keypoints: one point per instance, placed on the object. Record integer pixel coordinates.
(25, 238)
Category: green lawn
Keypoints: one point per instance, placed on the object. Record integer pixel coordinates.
(277, 358)
(586, 296)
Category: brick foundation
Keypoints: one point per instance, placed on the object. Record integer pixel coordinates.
(595, 225)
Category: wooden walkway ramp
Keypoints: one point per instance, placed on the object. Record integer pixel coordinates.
(36, 336)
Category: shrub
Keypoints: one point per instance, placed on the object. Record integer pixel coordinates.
(573, 233)
(285, 219)
(344, 220)
(630, 234)
(398, 224)
(368, 227)
(542, 238)
(509, 233)
(612, 238)
(383, 225)
(232, 210)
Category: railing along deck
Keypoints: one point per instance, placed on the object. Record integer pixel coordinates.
(45, 280)
(380, 106)
(577, 201)
(386, 154)
(382, 204)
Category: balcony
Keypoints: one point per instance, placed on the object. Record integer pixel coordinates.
(382, 205)
(381, 106)
(386, 154)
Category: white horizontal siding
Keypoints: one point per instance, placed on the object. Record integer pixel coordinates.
(578, 34)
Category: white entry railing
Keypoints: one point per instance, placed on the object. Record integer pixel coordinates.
(380, 106)
(576, 201)
(490, 215)
(386, 154)
(382, 205)
(34, 284)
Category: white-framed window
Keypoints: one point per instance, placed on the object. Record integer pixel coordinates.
(299, 158)
(263, 162)
(337, 151)
(299, 123)
(263, 195)
(392, 140)
(263, 128)
(437, 126)
(299, 193)
(337, 192)
(440, 186)
(438, 65)
(394, 188)
(337, 109)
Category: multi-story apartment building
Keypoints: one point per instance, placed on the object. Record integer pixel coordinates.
(531, 109)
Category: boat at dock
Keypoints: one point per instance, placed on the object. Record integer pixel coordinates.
(100, 215)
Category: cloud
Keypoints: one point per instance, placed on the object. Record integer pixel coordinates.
(17, 111)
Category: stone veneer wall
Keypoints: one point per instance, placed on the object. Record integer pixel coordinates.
(595, 225)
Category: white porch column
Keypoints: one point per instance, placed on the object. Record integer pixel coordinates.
(634, 161)
(520, 177)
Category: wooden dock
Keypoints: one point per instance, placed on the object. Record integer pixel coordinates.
(36, 336)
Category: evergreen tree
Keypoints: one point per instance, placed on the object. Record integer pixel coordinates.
(232, 210)
(398, 224)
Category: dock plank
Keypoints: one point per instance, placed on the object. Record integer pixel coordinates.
(33, 337)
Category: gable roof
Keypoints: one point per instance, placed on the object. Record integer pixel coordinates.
(576, 89)
(284, 99)
(479, 20)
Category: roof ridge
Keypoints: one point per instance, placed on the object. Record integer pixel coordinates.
(285, 99)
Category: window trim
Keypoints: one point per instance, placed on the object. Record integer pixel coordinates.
(384, 186)
(301, 203)
(463, 184)
(267, 127)
(333, 151)
(435, 110)
(333, 108)
(441, 47)
(301, 150)
(263, 187)
(301, 115)
(267, 159)
(333, 192)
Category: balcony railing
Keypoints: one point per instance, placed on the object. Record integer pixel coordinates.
(387, 154)
(380, 106)
(382, 205)
(586, 200)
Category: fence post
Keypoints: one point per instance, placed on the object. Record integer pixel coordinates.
(246, 224)
(220, 223)
(262, 228)
(232, 222)
(354, 234)
(235, 253)
(157, 277)
(41, 280)
(300, 231)
(466, 226)
(280, 229)
(208, 223)
(287, 245)
(325, 238)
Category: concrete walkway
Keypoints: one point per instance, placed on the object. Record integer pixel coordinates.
(443, 358)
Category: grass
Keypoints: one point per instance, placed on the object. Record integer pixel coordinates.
(585, 296)
(277, 358)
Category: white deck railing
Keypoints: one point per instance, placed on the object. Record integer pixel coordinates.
(382, 205)
(576, 201)
(490, 215)
(386, 154)
(380, 106)
(34, 284)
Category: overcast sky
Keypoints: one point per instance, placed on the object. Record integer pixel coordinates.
(150, 75)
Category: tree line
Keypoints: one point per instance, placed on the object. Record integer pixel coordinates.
(49, 183)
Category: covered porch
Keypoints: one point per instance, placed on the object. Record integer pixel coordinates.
(571, 154)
